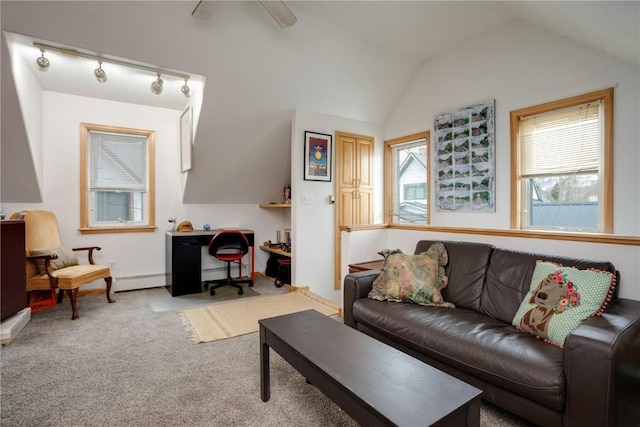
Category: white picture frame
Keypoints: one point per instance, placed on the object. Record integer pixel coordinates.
(186, 139)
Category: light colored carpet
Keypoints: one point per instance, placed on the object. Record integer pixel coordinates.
(126, 365)
(220, 321)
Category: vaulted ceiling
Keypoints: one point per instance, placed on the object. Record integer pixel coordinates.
(349, 59)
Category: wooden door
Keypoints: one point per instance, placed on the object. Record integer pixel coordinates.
(364, 180)
(354, 157)
(354, 187)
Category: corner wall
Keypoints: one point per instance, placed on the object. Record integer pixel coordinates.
(313, 226)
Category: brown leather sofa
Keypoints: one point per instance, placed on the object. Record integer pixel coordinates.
(594, 381)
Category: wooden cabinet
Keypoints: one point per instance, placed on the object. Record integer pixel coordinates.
(13, 276)
(354, 160)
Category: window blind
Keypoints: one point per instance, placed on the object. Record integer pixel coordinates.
(561, 142)
(117, 162)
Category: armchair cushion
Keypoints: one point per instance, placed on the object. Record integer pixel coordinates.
(66, 258)
(70, 277)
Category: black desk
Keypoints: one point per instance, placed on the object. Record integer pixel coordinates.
(184, 261)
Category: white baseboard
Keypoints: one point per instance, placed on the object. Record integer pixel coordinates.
(131, 283)
(12, 325)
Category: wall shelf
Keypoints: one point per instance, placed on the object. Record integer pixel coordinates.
(275, 205)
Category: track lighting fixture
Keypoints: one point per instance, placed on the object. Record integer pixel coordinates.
(100, 74)
(42, 62)
(157, 85)
(185, 89)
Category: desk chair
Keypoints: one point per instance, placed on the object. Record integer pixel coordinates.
(228, 246)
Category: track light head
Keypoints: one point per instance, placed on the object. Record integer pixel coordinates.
(157, 85)
(185, 89)
(100, 74)
(42, 62)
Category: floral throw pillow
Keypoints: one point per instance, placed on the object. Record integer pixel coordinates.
(412, 278)
(560, 298)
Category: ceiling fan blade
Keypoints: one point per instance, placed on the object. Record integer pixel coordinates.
(205, 9)
(280, 12)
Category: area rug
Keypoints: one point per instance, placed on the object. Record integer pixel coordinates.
(161, 300)
(220, 321)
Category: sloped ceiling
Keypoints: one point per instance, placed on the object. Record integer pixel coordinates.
(349, 59)
(18, 183)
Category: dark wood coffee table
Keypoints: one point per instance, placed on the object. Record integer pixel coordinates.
(372, 382)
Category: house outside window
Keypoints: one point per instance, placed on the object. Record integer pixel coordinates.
(561, 165)
(415, 191)
(406, 179)
(117, 179)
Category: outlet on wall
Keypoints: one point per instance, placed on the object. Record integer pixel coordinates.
(112, 265)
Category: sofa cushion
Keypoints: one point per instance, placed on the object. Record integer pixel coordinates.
(66, 258)
(473, 343)
(411, 278)
(560, 298)
(466, 270)
(509, 279)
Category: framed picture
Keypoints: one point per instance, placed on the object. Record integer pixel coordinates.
(186, 142)
(317, 156)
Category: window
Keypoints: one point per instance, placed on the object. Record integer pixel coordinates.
(561, 165)
(415, 191)
(406, 179)
(117, 179)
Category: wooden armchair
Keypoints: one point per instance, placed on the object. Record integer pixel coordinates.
(50, 266)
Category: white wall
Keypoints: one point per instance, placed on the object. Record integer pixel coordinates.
(363, 245)
(134, 254)
(520, 66)
(312, 226)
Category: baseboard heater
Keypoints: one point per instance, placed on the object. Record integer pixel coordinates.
(145, 281)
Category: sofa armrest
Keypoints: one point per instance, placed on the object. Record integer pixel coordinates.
(602, 368)
(356, 286)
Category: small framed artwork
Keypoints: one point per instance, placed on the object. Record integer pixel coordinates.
(287, 236)
(186, 139)
(317, 156)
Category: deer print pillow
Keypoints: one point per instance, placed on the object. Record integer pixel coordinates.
(560, 298)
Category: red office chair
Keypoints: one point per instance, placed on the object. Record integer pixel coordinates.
(228, 246)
